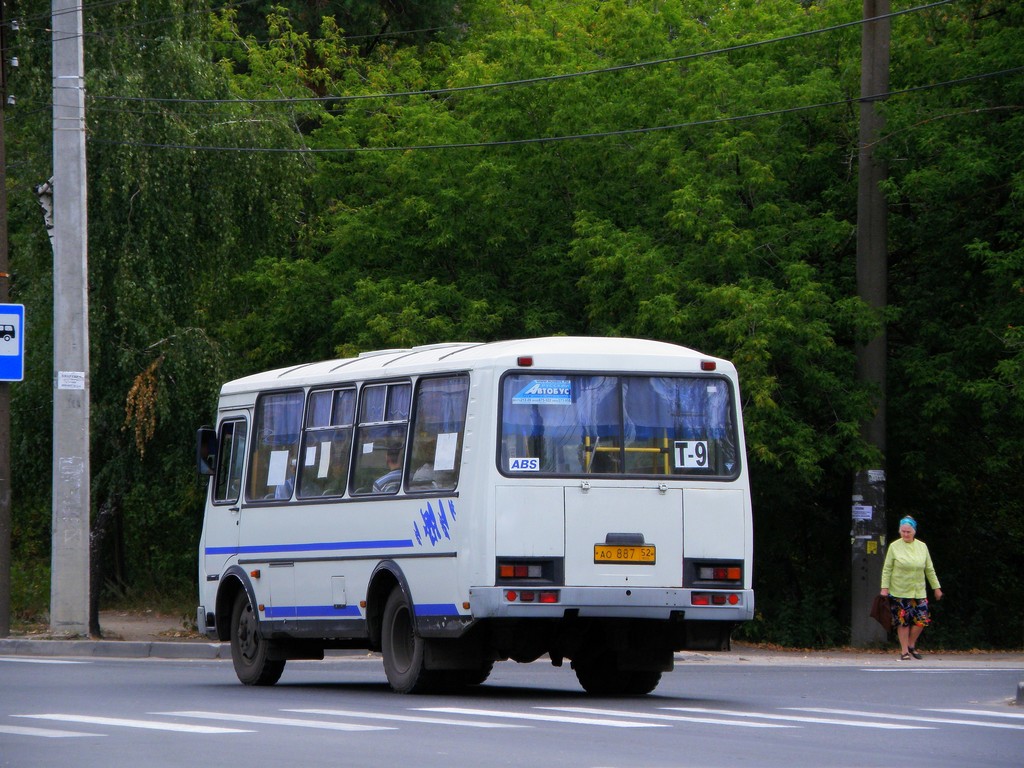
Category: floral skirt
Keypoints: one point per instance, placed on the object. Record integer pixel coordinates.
(908, 611)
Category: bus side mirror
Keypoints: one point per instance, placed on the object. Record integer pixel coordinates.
(206, 451)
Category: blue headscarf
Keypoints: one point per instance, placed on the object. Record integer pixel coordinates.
(909, 521)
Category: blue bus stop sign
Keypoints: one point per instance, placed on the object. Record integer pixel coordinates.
(12, 342)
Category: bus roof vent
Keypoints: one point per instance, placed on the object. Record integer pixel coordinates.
(379, 352)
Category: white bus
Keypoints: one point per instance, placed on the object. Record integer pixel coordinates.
(455, 505)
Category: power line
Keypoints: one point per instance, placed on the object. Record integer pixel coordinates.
(178, 17)
(575, 137)
(535, 80)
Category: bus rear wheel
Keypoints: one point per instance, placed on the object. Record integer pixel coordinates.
(402, 648)
(603, 677)
(249, 651)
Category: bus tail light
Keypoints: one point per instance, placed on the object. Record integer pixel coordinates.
(549, 596)
(713, 574)
(531, 572)
(520, 571)
(720, 573)
(714, 598)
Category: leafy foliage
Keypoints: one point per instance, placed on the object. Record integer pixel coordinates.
(377, 195)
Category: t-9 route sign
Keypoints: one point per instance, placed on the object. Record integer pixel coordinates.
(12, 342)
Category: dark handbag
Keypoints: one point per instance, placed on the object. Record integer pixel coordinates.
(880, 612)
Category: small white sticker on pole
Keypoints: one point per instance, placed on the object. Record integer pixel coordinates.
(70, 379)
(862, 511)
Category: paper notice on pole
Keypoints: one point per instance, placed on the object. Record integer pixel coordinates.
(862, 511)
(70, 379)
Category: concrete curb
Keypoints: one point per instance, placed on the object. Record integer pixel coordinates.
(114, 649)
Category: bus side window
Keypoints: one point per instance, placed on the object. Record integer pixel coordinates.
(276, 446)
(230, 460)
(437, 433)
(379, 450)
(326, 443)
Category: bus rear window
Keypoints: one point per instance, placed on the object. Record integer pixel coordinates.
(573, 424)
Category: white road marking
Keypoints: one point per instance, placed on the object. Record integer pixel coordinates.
(263, 720)
(20, 660)
(153, 725)
(46, 733)
(981, 712)
(670, 718)
(927, 670)
(915, 718)
(800, 719)
(543, 718)
(402, 718)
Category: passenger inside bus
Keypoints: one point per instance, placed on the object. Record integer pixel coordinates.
(392, 479)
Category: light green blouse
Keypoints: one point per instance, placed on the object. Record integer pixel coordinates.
(906, 566)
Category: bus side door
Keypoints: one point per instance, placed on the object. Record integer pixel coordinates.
(222, 514)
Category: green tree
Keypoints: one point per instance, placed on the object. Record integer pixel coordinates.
(956, 279)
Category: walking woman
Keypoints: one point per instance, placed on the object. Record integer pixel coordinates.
(907, 564)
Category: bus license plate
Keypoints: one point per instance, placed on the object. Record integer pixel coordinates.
(642, 554)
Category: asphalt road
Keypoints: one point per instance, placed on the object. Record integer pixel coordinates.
(730, 710)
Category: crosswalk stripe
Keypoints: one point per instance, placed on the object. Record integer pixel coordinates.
(264, 720)
(801, 719)
(403, 718)
(981, 712)
(153, 725)
(916, 718)
(46, 733)
(544, 718)
(925, 670)
(670, 718)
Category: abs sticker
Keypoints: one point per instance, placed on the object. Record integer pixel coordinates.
(524, 465)
(544, 393)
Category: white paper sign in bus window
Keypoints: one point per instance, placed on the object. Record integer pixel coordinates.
(277, 472)
(691, 454)
(539, 392)
(444, 452)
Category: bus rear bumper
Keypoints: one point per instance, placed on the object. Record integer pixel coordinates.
(611, 602)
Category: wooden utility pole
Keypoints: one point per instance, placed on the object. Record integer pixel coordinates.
(69, 577)
(868, 508)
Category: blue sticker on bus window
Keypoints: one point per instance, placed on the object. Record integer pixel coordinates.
(524, 465)
(544, 393)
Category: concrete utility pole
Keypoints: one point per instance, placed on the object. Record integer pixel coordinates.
(69, 580)
(5, 388)
(868, 509)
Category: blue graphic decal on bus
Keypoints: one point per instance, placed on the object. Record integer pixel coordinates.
(435, 524)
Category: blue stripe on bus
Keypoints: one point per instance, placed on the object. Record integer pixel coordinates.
(320, 611)
(436, 609)
(311, 547)
(310, 611)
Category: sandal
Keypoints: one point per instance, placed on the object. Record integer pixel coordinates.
(904, 657)
(914, 653)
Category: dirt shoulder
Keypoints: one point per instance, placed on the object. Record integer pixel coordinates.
(147, 626)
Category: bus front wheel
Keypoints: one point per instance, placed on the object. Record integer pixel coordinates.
(249, 651)
(402, 648)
